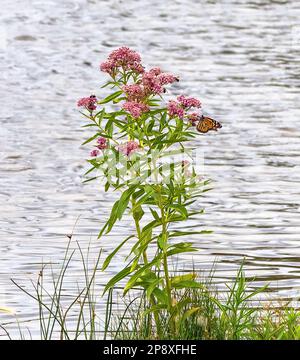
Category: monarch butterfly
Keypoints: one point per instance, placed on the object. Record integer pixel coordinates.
(206, 124)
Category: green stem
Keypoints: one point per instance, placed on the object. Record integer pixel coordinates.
(145, 258)
(164, 235)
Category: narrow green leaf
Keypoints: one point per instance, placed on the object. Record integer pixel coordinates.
(118, 277)
(155, 308)
(112, 254)
(188, 284)
(161, 296)
(152, 287)
(181, 209)
(131, 282)
(91, 139)
(111, 97)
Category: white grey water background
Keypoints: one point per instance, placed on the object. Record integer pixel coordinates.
(241, 58)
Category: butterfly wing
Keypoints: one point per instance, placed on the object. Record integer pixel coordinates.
(203, 126)
(206, 124)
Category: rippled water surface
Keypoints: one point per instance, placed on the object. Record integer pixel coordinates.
(241, 58)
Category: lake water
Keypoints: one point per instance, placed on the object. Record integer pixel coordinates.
(240, 57)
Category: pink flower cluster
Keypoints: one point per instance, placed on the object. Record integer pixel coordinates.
(151, 83)
(128, 148)
(188, 102)
(154, 80)
(102, 144)
(90, 103)
(124, 58)
(194, 118)
(135, 108)
(94, 153)
(180, 107)
(175, 109)
(134, 92)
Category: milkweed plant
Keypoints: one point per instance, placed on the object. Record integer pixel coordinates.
(142, 150)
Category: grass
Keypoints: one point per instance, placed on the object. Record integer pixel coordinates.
(228, 315)
(235, 314)
(62, 317)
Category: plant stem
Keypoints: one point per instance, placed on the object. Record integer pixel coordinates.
(165, 263)
(145, 258)
(165, 258)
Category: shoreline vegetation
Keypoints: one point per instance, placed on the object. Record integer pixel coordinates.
(235, 314)
(144, 149)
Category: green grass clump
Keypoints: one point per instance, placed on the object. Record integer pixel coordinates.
(238, 313)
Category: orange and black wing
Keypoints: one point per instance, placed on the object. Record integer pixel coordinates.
(206, 124)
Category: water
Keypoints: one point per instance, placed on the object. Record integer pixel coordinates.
(241, 58)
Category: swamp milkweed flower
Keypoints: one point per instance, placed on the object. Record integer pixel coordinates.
(135, 108)
(174, 109)
(181, 105)
(102, 143)
(154, 80)
(90, 103)
(123, 57)
(194, 118)
(108, 67)
(134, 92)
(187, 102)
(128, 148)
(151, 83)
(94, 153)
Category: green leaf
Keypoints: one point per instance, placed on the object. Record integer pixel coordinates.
(124, 200)
(144, 198)
(111, 97)
(138, 213)
(151, 225)
(181, 209)
(140, 246)
(91, 139)
(155, 215)
(161, 296)
(152, 287)
(109, 127)
(118, 277)
(109, 83)
(117, 210)
(180, 248)
(107, 185)
(90, 170)
(112, 254)
(112, 219)
(88, 125)
(189, 313)
(100, 116)
(90, 179)
(188, 284)
(177, 279)
(115, 101)
(131, 282)
(155, 308)
(162, 241)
